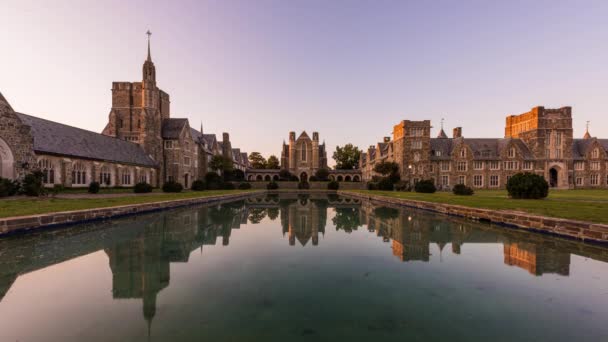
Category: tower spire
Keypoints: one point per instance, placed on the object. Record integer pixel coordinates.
(587, 135)
(149, 34)
(442, 132)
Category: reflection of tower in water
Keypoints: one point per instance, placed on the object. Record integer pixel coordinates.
(303, 220)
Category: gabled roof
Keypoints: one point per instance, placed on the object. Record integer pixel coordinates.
(442, 135)
(210, 140)
(56, 138)
(172, 128)
(236, 154)
(304, 135)
(244, 158)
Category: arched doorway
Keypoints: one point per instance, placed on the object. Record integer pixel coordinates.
(186, 181)
(303, 177)
(7, 162)
(553, 180)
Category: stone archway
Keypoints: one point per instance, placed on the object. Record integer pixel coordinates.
(553, 177)
(7, 161)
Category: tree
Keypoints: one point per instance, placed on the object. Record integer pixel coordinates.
(347, 157)
(388, 169)
(273, 163)
(220, 163)
(257, 161)
(322, 174)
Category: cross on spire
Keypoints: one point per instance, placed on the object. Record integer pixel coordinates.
(149, 34)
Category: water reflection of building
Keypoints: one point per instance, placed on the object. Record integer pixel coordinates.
(536, 259)
(303, 220)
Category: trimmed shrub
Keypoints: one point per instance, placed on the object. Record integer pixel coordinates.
(272, 185)
(462, 190)
(304, 185)
(322, 174)
(172, 186)
(32, 184)
(244, 186)
(143, 187)
(228, 186)
(425, 186)
(8, 187)
(527, 185)
(386, 184)
(403, 186)
(93, 188)
(198, 185)
(333, 185)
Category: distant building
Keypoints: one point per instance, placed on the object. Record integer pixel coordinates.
(539, 141)
(303, 156)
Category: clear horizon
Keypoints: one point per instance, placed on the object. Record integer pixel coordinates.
(347, 69)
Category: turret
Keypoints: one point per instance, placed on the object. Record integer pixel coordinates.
(315, 150)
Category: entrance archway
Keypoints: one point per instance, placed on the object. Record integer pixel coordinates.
(553, 180)
(7, 161)
(303, 177)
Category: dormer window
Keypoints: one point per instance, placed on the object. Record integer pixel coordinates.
(595, 153)
(463, 153)
(511, 152)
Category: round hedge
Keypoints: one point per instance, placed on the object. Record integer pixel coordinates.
(172, 186)
(142, 188)
(462, 190)
(333, 185)
(198, 185)
(528, 185)
(425, 186)
(93, 188)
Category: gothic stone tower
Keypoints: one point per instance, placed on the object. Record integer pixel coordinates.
(138, 109)
(412, 148)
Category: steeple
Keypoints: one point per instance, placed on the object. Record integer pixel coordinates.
(442, 134)
(149, 71)
(587, 135)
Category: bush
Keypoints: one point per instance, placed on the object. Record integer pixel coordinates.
(333, 185)
(386, 184)
(198, 185)
(93, 188)
(214, 181)
(244, 186)
(304, 185)
(32, 184)
(228, 186)
(285, 175)
(462, 190)
(238, 175)
(272, 185)
(372, 185)
(527, 185)
(143, 187)
(8, 187)
(322, 174)
(403, 186)
(172, 186)
(425, 186)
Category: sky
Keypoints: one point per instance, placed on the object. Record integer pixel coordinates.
(350, 70)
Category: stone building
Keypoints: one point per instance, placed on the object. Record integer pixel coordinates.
(140, 143)
(539, 141)
(303, 156)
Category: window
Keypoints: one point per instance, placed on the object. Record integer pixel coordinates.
(187, 161)
(462, 180)
(143, 177)
(595, 179)
(528, 165)
(304, 152)
(511, 152)
(494, 181)
(416, 132)
(494, 165)
(187, 145)
(438, 153)
(104, 176)
(48, 171)
(579, 165)
(463, 152)
(432, 168)
(595, 153)
(579, 180)
(558, 153)
(461, 166)
(168, 144)
(416, 145)
(416, 157)
(594, 165)
(79, 175)
(445, 180)
(548, 153)
(511, 165)
(125, 177)
(558, 138)
(478, 180)
(478, 165)
(445, 166)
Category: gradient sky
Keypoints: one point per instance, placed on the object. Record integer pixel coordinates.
(348, 69)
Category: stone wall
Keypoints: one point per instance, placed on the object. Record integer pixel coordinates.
(16, 144)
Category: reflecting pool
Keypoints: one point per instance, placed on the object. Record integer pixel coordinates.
(296, 267)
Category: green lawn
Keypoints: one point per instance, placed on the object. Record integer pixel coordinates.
(585, 205)
(32, 206)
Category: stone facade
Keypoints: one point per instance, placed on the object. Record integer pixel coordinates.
(303, 156)
(539, 141)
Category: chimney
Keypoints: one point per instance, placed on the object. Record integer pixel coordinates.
(225, 137)
(387, 139)
(457, 133)
(292, 136)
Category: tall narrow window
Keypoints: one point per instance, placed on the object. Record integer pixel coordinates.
(304, 152)
(79, 175)
(48, 171)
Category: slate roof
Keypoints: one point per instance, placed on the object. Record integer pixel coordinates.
(245, 158)
(483, 148)
(56, 138)
(210, 141)
(172, 128)
(236, 155)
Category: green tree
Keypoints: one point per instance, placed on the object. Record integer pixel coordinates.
(273, 163)
(257, 161)
(220, 163)
(389, 170)
(347, 157)
(322, 174)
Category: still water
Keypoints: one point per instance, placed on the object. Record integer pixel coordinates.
(291, 268)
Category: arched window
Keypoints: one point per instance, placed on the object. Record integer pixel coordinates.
(595, 153)
(125, 176)
(105, 176)
(463, 152)
(512, 152)
(303, 151)
(79, 174)
(416, 157)
(48, 171)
